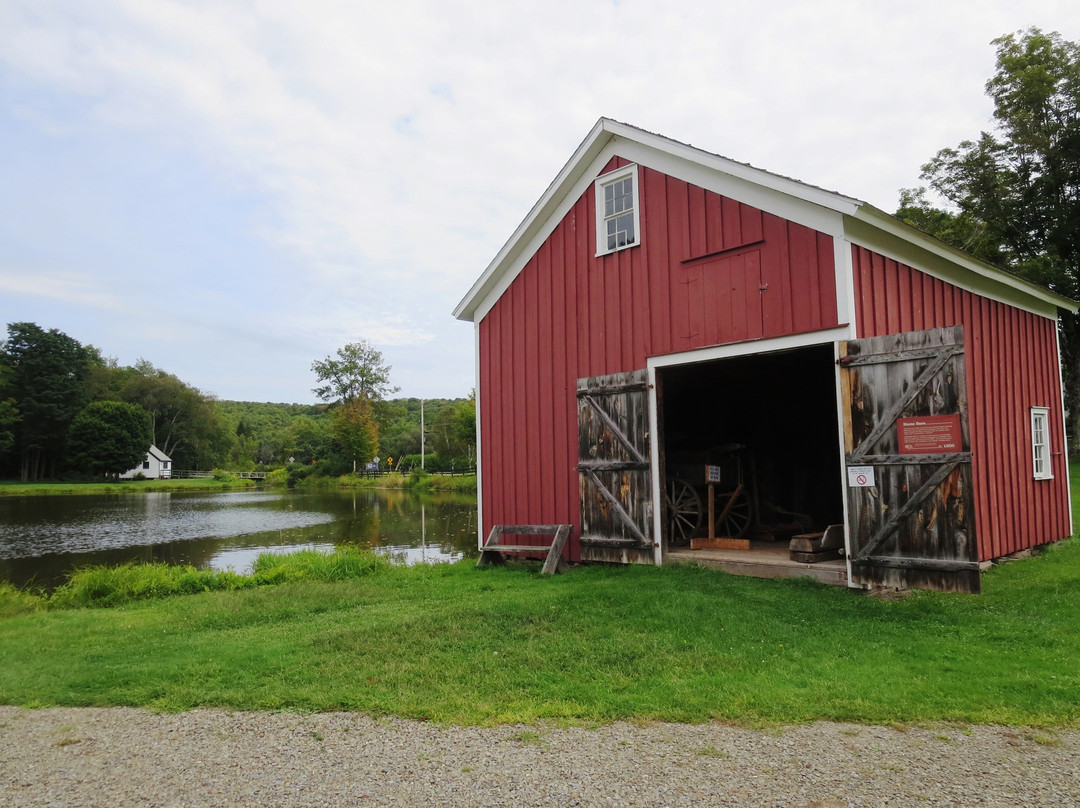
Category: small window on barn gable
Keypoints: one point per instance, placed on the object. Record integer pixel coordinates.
(1040, 442)
(617, 214)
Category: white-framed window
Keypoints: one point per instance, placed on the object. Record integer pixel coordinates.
(1040, 443)
(617, 211)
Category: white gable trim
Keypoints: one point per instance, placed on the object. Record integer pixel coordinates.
(888, 236)
(561, 196)
(844, 218)
(546, 209)
(497, 279)
(774, 200)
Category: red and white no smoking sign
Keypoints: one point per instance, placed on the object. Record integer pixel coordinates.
(861, 477)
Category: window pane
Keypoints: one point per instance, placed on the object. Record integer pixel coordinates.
(618, 229)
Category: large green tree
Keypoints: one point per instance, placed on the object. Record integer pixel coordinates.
(108, 438)
(44, 375)
(353, 382)
(1013, 194)
(358, 372)
(186, 424)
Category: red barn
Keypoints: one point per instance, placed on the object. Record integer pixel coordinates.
(664, 317)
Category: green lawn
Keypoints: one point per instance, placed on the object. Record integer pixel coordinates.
(457, 644)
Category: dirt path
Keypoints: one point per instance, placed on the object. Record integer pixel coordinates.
(128, 757)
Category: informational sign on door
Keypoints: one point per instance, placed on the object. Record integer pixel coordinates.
(861, 477)
(929, 434)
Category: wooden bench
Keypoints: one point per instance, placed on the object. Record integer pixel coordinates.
(494, 548)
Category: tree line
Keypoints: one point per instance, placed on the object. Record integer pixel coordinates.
(1011, 196)
(68, 412)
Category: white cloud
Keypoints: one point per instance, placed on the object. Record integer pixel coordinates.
(62, 287)
(393, 147)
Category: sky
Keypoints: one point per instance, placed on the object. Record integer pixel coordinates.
(233, 190)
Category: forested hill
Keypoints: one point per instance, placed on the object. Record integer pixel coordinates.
(269, 434)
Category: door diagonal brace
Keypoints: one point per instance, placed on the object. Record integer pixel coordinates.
(907, 509)
(615, 429)
(615, 504)
(888, 418)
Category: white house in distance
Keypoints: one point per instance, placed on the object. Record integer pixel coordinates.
(156, 466)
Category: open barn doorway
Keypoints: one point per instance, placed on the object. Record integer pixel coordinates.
(767, 425)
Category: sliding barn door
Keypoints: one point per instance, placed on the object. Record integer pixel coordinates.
(911, 518)
(614, 470)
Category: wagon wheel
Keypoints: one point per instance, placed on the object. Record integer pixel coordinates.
(737, 520)
(684, 511)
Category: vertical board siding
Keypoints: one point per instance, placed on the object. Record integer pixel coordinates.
(1012, 367)
(696, 280)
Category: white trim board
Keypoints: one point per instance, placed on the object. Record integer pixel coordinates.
(757, 346)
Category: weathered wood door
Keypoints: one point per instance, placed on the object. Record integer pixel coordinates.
(910, 507)
(614, 470)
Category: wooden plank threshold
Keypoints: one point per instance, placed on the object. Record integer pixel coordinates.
(762, 560)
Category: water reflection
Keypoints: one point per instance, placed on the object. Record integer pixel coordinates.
(42, 538)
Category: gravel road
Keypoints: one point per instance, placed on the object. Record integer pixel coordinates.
(129, 757)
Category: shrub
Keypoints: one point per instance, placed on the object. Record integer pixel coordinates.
(277, 477)
(15, 601)
(109, 586)
(346, 562)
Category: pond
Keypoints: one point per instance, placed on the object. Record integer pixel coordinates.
(43, 538)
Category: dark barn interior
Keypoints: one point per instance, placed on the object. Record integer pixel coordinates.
(768, 421)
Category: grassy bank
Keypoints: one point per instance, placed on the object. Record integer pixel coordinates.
(16, 489)
(415, 480)
(456, 644)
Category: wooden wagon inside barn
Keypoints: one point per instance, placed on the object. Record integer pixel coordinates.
(663, 309)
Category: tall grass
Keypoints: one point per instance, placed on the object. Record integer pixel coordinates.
(417, 480)
(111, 586)
(17, 489)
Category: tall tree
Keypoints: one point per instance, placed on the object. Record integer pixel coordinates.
(354, 381)
(1013, 194)
(358, 372)
(186, 424)
(354, 431)
(108, 438)
(45, 377)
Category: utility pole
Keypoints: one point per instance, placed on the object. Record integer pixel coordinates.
(421, 433)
